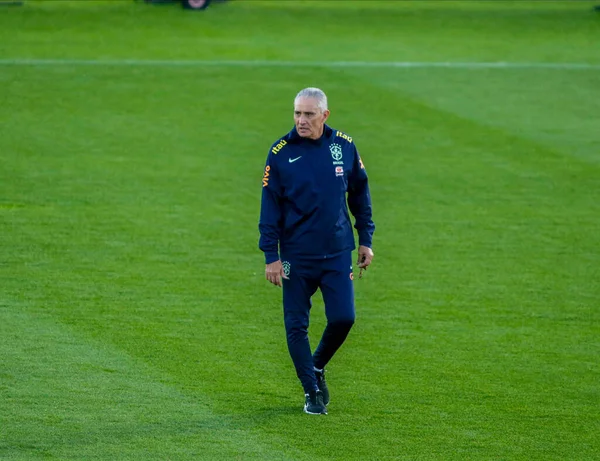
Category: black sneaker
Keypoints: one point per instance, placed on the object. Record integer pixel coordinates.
(314, 403)
(320, 375)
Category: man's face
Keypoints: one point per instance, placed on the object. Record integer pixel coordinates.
(308, 118)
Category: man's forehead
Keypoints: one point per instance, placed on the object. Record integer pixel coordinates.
(306, 105)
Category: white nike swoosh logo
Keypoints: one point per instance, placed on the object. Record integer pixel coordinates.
(292, 160)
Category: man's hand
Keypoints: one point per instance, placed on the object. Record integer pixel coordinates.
(274, 273)
(365, 256)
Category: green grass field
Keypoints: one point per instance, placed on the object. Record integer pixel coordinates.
(135, 321)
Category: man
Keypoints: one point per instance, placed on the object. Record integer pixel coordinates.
(307, 237)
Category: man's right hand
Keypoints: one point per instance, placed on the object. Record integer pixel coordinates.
(274, 273)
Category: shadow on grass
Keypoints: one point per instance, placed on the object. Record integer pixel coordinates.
(258, 417)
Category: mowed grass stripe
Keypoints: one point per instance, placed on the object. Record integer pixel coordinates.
(561, 114)
(392, 31)
(327, 64)
(65, 396)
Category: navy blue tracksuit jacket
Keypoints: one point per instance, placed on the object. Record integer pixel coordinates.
(305, 185)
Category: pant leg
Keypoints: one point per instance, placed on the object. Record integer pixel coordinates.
(297, 293)
(338, 294)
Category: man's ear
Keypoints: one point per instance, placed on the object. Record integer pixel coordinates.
(326, 114)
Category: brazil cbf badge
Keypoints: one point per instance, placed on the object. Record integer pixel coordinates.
(336, 154)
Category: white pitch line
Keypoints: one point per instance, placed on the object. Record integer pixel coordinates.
(327, 64)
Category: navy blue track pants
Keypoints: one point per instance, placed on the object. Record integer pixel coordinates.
(333, 276)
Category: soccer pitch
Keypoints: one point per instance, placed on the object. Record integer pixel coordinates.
(135, 321)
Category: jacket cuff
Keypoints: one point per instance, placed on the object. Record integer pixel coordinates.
(271, 257)
(365, 240)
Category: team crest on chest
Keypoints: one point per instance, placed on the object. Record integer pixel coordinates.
(336, 154)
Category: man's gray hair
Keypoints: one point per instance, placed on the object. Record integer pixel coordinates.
(315, 93)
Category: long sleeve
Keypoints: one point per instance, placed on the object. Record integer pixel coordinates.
(359, 201)
(270, 213)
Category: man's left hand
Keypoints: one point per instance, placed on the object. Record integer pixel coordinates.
(365, 257)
